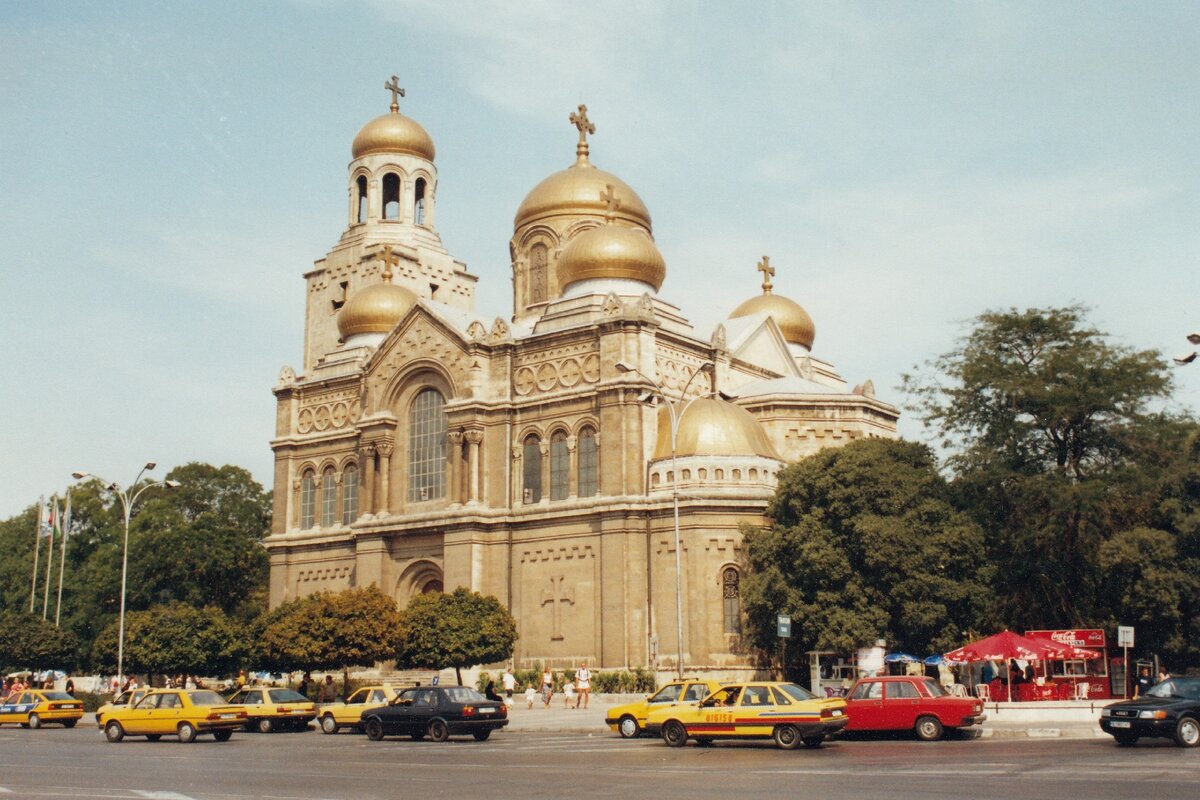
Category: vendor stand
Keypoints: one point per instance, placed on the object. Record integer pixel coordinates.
(1088, 673)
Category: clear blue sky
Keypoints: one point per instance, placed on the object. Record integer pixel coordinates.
(168, 171)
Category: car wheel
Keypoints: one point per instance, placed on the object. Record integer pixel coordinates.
(329, 724)
(674, 734)
(69, 723)
(265, 726)
(482, 736)
(222, 736)
(628, 728)
(35, 721)
(187, 732)
(1187, 732)
(153, 737)
(812, 742)
(1126, 739)
(438, 731)
(113, 731)
(786, 737)
(928, 729)
(374, 729)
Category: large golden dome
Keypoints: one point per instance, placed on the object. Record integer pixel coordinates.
(577, 190)
(611, 251)
(793, 321)
(713, 427)
(377, 308)
(393, 133)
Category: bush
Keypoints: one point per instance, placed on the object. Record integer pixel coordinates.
(92, 700)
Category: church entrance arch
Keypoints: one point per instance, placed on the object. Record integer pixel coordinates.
(419, 577)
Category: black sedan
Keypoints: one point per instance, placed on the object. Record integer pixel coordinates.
(437, 712)
(1170, 709)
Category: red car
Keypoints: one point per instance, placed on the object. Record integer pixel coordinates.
(909, 703)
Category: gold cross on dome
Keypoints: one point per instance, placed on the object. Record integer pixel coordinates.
(389, 260)
(397, 92)
(580, 120)
(768, 272)
(611, 202)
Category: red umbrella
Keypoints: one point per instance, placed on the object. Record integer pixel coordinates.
(1003, 646)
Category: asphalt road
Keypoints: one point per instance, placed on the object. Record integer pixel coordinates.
(79, 763)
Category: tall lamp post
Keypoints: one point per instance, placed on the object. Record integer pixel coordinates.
(676, 409)
(1193, 338)
(128, 497)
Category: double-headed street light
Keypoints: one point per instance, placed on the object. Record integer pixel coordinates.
(1193, 338)
(676, 409)
(128, 497)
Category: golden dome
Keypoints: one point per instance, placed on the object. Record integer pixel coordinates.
(393, 133)
(611, 251)
(377, 308)
(793, 321)
(576, 191)
(713, 427)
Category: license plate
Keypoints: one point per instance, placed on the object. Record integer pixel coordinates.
(487, 711)
(228, 716)
(1119, 724)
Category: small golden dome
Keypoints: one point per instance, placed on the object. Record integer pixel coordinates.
(793, 321)
(713, 427)
(393, 133)
(611, 251)
(577, 190)
(375, 309)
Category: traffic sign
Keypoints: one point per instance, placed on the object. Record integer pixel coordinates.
(1124, 636)
(783, 624)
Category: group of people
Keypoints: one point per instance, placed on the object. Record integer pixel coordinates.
(20, 683)
(577, 691)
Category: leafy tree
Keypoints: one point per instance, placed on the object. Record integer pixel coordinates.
(1146, 583)
(460, 629)
(28, 641)
(171, 639)
(864, 543)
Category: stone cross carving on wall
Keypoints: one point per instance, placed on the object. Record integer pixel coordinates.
(555, 596)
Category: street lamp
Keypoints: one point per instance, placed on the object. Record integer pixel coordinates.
(676, 415)
(128, 497)
(1193, 338)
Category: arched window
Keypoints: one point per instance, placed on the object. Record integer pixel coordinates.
(732, 599)
(427, 447)
(328, 498)
(308, 501)
(350, 494)
(560, 466)
(589, 463)
(419, 202)
(391, 196)
(361, 184)
(531, 457)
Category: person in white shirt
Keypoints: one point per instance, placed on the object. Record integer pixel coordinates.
(583, 682)
(569, 695)
(510, 683)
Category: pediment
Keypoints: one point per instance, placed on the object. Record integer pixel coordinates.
(421, 340)
(763, 346)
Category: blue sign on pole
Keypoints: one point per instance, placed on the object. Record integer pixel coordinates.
(784, 624)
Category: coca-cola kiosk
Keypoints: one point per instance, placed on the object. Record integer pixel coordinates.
(1090, 678)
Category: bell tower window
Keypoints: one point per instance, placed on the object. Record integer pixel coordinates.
(361, 198)
(391, 196)
(419, 202)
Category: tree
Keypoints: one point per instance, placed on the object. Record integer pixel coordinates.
(864, 544)
(460, 629)
(171, 639)
(28, 641)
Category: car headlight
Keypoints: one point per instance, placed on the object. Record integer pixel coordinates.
(837, 712)
(1106, 712)
(1152, 715)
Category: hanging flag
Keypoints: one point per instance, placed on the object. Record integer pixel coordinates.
(62, 563)
(37, 547)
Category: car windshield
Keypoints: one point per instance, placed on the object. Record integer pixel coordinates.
(286, 696)
(1176, 687)
(57, 696)
(203, 697)
(796, 691)
(463, 694)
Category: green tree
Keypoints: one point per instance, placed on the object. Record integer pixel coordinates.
(459, 629)
(864, 544)
(173, 638)
(28, 641)
(1146, 583)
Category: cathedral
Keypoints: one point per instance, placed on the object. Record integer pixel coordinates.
(586, 459)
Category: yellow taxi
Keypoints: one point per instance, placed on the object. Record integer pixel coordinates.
(629, 720)
(33, 708)
(185, 713)
(335, 716)
(128, 697)
(785, 712)
(269, 709)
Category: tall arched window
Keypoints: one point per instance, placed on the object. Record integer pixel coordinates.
(531, 457)
(361, 185)
(349, 494)
(589, 463)
(419, 202)
(427, 447)
(391, 196)
(308, 501)
(560, 466)
(328, 498)
(732, 599)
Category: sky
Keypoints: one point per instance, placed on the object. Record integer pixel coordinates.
(168, 172)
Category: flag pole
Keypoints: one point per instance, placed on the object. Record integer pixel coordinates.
(50, 555)
(37, 547)
(62, 566)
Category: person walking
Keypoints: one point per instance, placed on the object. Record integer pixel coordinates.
(328, 691)
(510, 684)
(1143, 683)
(583, 682)
(547, 687)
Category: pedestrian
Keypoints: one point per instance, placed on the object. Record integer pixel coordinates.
(530, 695)
(988, 673)
(547, 687)
(190, 682)
(1143, 682)
(303, 687)
(583, 682)
(510, 683)
(489, 692)
(328, 691)
(241, 678)
(569, 694)
(1163, 674)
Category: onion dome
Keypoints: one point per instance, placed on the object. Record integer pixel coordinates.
(393, 133)
(713, 427)
(793, 321)
(577, 189)
(611, 251)
(377, 308)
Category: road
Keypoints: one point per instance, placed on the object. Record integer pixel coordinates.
(58, 763)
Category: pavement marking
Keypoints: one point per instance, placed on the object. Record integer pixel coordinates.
(5, 791)
(152, 795)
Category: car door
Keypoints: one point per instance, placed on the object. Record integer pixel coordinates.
(352, 711)
(15, 709)
(754, 712)
(399, 715)
(138, 719)
(901, 702)
(718, 712)
(864, 706)
(166, 717)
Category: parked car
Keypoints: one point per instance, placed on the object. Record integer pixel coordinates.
(785, 712)
(185, 713)
(438, 712)
(629, 720)
(909, 703)
(269, 709)
(1169, 709)
(34, 707)
(334, 716)
(126, 698)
